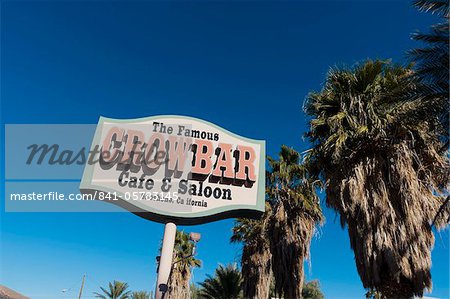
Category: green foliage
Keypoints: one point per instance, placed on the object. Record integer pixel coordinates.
(183, 250)
(117, 290)
(311, 290)
(289, 178)
(140, 295)
(357, 107)
(225, 284)
(247, 231)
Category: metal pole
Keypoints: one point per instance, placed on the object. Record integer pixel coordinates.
(165, 263)
(82, 285)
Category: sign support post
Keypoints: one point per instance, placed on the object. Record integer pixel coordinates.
(165, 263)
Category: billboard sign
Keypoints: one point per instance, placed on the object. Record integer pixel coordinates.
(176, 168)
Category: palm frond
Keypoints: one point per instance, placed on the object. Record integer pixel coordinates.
(439, 7)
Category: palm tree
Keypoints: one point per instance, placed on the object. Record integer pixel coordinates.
(117, 290)
(296, 211)
(311, 290)
(384, 171)
(226, 284)
(140, 295)
(432, 61)
(256, 256)
(183, 262)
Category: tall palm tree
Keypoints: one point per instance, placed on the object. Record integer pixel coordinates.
(296, 211)
(226, 284)
(117, 290)
(256, 256)
(183, 262)
(432, 62)
(384, 171)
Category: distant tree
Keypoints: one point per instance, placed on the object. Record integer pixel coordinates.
(140, 295)
(117, 290)
(226, 284)
(311, 290)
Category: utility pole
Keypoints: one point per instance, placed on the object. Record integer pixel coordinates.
(82, 285)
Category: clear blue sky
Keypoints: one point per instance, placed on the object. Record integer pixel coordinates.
(72, 61)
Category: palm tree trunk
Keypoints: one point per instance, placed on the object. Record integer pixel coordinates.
(291, 237)
(178, 285)
(256, 270)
